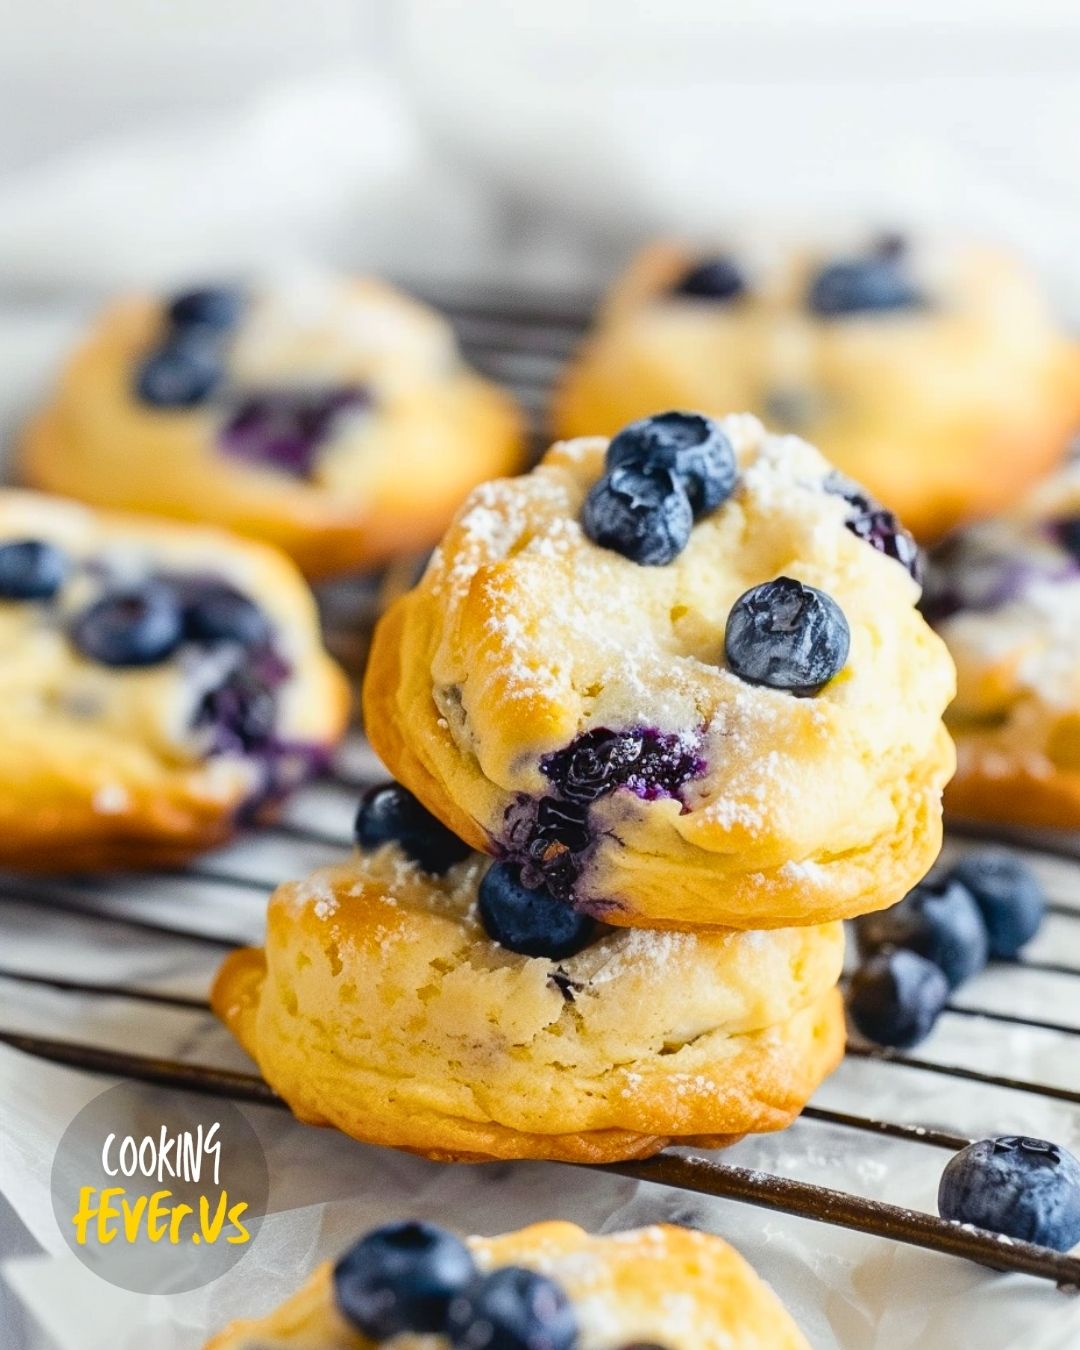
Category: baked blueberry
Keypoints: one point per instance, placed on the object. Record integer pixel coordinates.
(284, 429)
(530, 920)
(241, 712)
(650, 763)
(880, 528)
(181, 374)
(716, 278)
(876, 283)
(391, 814)
(939, 920)
(693, 447)
(402, 1277)
(1068, 533)
(787, 635)
(218, 613)
(640, 511)
(512, 1309)
(1009, 895)
(31, 569)
(1028, 1189)
(139, 626)
(896, 997)
(210, 307)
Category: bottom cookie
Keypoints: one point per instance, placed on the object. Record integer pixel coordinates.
(382, 1006)
(550, 1285)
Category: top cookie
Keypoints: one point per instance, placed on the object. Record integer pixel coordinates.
(741, 728)
(332, 417)
(935, 376)
(1005, 596)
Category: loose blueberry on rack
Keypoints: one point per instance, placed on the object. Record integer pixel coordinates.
(139, 626)
(1009, 895)
(31, 569)
(870, 521)
(896, 997)
(640, 511)
(389, 814)
(876, 283)
(1028, 1189)
(512, 1309)
(694, 448)
(402, 1277)
(939, 920)
(212, 307)
(217, 613)
(181, 374)
(787, 635)
(718, 279)
(530, 920)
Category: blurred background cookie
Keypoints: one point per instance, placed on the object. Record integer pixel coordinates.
(160, 683)
(1005, 595)
(331, 416)
(936, 376)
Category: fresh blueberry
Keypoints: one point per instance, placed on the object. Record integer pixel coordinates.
(876, 283)
(389, 814)
(939, 920)
(181, 374)
(1028, 1189)
(716, 278)
(530, 920)
(402, 1277)
(285, 429)
(896, 997)
(870, 521)
(137, 627)
(1009, 896)
(640, 511)
(217, 613)
(512, 1309)
(694, 448)
(211, 307)
(787, 635)
(31, 569)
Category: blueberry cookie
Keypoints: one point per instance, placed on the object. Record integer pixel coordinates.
(680, 679)
(331, 417)
(459, 1014)
(547, 1287)
(1005, 596)
(934, 376)
(159, 683)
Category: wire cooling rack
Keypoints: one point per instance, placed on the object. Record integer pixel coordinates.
(217, 903)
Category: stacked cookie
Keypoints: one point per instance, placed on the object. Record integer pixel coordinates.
(661, 712)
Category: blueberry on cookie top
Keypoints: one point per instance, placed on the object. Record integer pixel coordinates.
(677, 720)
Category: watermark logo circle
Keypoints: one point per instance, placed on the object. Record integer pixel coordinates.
(158, 1191)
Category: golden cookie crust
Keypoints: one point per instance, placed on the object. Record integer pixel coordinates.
(680, 1288)
(522, 635)
(1016, 716)
(380, 1006)
(946, 413)
(384, 489)
(97, 767)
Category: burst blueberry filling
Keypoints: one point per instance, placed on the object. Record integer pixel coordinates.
(285, 429)
(870, 521)
(967, 573)
(550, 836)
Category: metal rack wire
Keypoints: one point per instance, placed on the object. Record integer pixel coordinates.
(521, 343)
